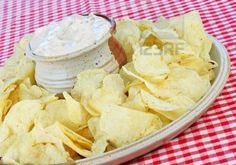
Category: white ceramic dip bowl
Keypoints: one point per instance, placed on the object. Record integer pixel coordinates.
(58, 73)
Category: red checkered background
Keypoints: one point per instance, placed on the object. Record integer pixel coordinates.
(212, 139)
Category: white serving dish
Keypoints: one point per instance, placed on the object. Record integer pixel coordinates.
(151, 142)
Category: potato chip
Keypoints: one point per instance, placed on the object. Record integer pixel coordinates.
(149, 64)
(72, 153)
(21, 116)
(165, 34)
(27, 91)
(5, 133)
(162, 23)
(112, 91)
(189, 25)
(177, 47)
(16, 68)
(75, 111)
(5, 102)
(14, 96)
(182, 101)
(48, 99)
(153, 88)
(149, 38)
(85, 143)
(100, 145)
(94, 128)
(89, 79)
(12, 73)
(169, 110)
(56, 130)
(13, 152)
(165, 121)
(19, 51)
(101, 139)
(1, 85)
(68, 112)
(202, 67)
(9, 161)
(6, 143)
(89, 107)
(110, 147)
(42, 135)
(168, 42)
(185, 80)
(156, 102)
(126, 78)
(128, 34)
(123, 125)
(87, 82)
(85, 132)
(135, 83)
(36, 147)
(44, 154)
(134, 100)
(144, 24)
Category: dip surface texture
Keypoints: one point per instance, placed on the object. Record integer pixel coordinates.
(71, 34)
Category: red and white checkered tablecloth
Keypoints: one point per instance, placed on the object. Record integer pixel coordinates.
(212, 139)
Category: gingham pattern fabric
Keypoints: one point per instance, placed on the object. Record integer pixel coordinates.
(212, 139)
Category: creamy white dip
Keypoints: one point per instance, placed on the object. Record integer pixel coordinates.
(71, 34)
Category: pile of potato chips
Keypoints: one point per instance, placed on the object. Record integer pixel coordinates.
(169, 69)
